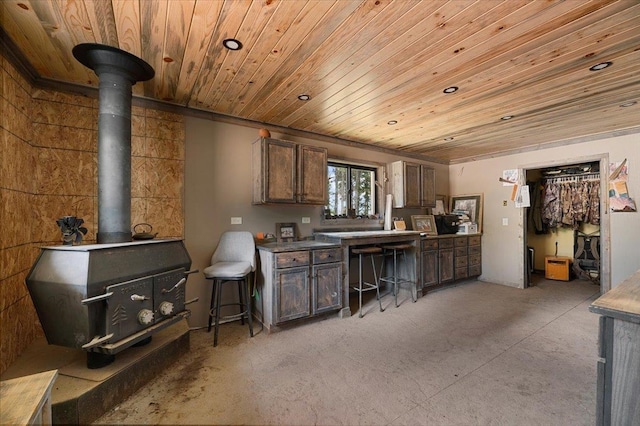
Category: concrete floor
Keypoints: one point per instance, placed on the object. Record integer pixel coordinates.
(477, 353)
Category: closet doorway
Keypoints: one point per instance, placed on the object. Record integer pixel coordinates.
(568, 220)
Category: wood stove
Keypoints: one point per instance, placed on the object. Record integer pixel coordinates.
(104, 298)
(109, 296)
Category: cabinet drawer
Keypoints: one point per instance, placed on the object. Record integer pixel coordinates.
(475, 270)
(461, 251)
(475, 250)
(292, 259)
(474, 259)
(461, 273)
(474, 241)
(429, 245)
(445, 243)
(326, 255)
(461, 241)
(461, 262)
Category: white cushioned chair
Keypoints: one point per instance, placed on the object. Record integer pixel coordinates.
(234, 260)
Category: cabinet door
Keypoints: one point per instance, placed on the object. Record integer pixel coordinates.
(278, 171)
(291, 298)
(429, 268)
(428, 187)
(327, 284)
(445, 265)
(312, 175)
(412, 185)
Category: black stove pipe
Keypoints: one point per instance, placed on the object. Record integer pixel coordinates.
(118, 71)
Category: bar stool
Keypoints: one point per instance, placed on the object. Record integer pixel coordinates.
(232, 262)
(362, 284)
(244, 302)
(396, 250)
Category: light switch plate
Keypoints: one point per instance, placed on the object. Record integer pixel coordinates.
(306, 220)
(236, 221)
(505, 221)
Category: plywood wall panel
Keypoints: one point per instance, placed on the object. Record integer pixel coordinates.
(48, 169)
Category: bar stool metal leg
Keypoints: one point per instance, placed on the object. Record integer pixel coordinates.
(377, 281)
(212, 305)
(362, 284)
(247, 304)
(216, 326)
(395, 279)
(414, 286)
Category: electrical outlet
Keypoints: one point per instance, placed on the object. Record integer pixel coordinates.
(306, 220)
(236, 221)
(504, 203)
(505, 221)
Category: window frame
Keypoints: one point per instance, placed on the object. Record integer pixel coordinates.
(379, 176)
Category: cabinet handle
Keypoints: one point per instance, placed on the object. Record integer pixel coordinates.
(334, 294)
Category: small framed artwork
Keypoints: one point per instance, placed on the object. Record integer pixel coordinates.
(468, 206)
(399, 225)
(424, 223)
(286, 232)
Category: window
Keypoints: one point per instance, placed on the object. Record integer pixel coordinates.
(351, 191)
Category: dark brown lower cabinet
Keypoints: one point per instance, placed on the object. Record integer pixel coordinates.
(327, 284)
(447, 259)
(292, 293)
(299, 284)
(429, 263)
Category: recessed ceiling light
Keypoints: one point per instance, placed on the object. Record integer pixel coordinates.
(392, 122)
(304, 97)
(600, 66)
(451, 89)
(232, 44)
(449, 139)
(506, 117)
(628, 104)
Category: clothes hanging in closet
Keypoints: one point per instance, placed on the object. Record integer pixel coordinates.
(570, 201)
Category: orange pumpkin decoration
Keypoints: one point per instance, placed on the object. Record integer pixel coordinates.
(264, 133)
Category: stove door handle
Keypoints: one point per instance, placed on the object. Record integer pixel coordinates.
(96, 298)
(96, 341)
(178, 284)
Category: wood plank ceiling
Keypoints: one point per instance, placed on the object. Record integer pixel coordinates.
(366, 64)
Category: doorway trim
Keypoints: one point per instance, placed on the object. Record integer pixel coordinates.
(605, 223)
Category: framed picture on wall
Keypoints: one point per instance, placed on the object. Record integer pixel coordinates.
(441, 205)
(286, 232)
(469, 205)
(424, 223)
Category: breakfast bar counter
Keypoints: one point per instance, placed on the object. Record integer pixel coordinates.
(348, 240)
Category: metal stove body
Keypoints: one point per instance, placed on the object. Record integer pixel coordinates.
(106, 297)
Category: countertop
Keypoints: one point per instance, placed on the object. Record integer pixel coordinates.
(623, 301)
(366, 234)
(295, 245)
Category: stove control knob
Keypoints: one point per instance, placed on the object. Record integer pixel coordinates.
(166, 308)
(145, 316)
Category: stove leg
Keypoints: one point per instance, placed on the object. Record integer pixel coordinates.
(97, 360)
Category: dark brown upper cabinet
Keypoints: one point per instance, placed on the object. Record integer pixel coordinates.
(288, 173)
(412, 185)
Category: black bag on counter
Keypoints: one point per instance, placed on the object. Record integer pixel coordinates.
(446, 224)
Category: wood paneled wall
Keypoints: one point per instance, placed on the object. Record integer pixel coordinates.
(48, 169)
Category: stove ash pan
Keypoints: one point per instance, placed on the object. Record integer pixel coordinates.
(106, 297)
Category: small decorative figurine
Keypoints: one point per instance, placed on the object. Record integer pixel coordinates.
(71, 229)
